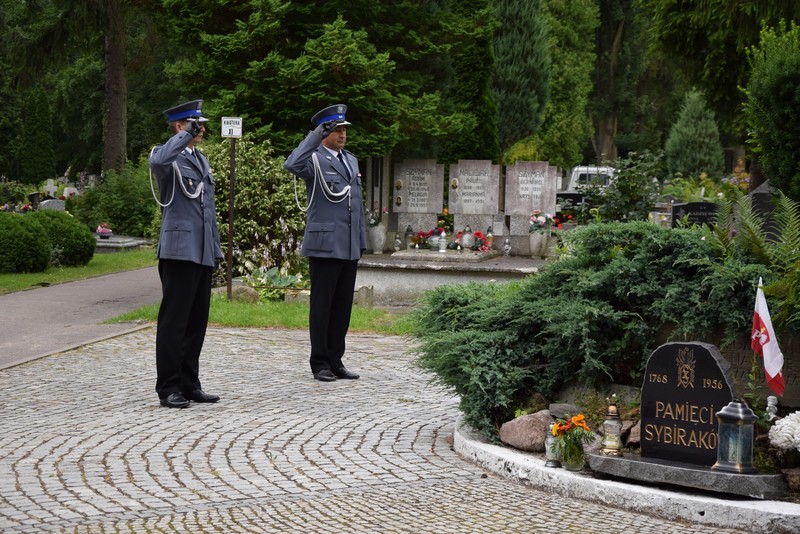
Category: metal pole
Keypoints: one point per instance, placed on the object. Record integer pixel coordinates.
(230, 218)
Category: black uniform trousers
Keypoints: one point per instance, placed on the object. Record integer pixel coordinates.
(332, 284)
(182, 322)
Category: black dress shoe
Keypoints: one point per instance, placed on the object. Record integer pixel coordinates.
(342, 372)
(198, 395)
(325, 375)
(175, 400)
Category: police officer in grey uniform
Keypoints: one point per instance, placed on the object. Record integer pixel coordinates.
(188, 252)
(335, 236)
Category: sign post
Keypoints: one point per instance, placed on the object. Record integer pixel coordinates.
(231, 128)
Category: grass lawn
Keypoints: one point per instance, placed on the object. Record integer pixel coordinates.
(100, 264)
(223, 312)
(283, 315)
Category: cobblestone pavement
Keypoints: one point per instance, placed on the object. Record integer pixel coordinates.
(85, 447)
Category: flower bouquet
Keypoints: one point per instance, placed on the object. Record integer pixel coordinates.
(541, 222)
(785, 436)
(480, 242)
(570, 436)
(374, 218)
(103, 231)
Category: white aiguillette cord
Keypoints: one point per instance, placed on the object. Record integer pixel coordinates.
(329, 195)
(179, 177)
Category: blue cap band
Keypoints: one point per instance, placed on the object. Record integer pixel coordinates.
(185, 114)
(336, 117)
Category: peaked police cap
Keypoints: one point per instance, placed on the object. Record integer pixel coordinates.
(335, 112)
(187, 110)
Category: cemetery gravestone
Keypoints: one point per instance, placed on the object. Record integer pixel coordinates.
(530, 185)
(695, 212)
(685, 385)
(418, 187)
(474, 187)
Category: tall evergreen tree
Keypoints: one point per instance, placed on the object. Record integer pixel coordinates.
(36, 160)
(566, 127)
(521, 85)
(693, 145)
(98, 25)
(470, 88)
(773, 105)
(254, 60)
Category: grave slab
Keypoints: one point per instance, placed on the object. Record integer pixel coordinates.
(757, 486)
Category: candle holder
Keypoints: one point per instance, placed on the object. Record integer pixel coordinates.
(612, 429)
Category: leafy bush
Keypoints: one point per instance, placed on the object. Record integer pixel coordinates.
(591, 319)
(24, 246)
(772, 104)
(629, 197)
(122, 200)
(268, 224)
(72, 244)
(12, 193)
(754, 244)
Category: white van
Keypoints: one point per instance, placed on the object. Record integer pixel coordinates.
(590, 175)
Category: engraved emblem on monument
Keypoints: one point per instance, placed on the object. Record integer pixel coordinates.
(686, 363)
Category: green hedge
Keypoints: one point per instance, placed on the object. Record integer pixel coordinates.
(592, 318)
(71, 242)
(24, 245)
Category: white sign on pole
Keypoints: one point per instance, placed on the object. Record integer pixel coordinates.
(231, 126)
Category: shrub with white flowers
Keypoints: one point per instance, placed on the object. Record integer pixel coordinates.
(785, 434)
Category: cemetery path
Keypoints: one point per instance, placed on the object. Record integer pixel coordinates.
(52, 319)
(84, 446)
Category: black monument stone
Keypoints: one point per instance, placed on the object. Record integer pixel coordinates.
(695, 212)
(685, 385)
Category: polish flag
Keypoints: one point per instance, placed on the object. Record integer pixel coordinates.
(765, 344)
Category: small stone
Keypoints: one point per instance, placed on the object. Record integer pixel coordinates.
(527, 432)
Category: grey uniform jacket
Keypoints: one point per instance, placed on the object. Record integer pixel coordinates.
(332, 230)
(188, 226)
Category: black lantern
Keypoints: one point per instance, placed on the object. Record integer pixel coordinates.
(735, 427)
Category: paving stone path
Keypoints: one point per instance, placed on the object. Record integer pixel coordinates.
(85, 447)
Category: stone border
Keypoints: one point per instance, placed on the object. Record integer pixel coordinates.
(748, 515)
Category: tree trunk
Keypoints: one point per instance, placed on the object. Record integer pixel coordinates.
(605, 122)
(115, 122)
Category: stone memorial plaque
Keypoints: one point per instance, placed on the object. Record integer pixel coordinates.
(418, 187)
(474, 187)
(695, 212)
(742, 358)
(531, 185)
(52, 204)
(685, 385)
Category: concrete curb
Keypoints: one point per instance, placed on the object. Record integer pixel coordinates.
(754, 516)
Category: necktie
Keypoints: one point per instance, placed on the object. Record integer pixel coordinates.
(346, 169)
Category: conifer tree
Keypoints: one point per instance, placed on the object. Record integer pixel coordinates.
(36, 161)
(470, 87)
(693, 145)
(521, 86)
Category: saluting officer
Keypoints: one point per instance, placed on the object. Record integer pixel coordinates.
(188, 252)
(335, 236)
